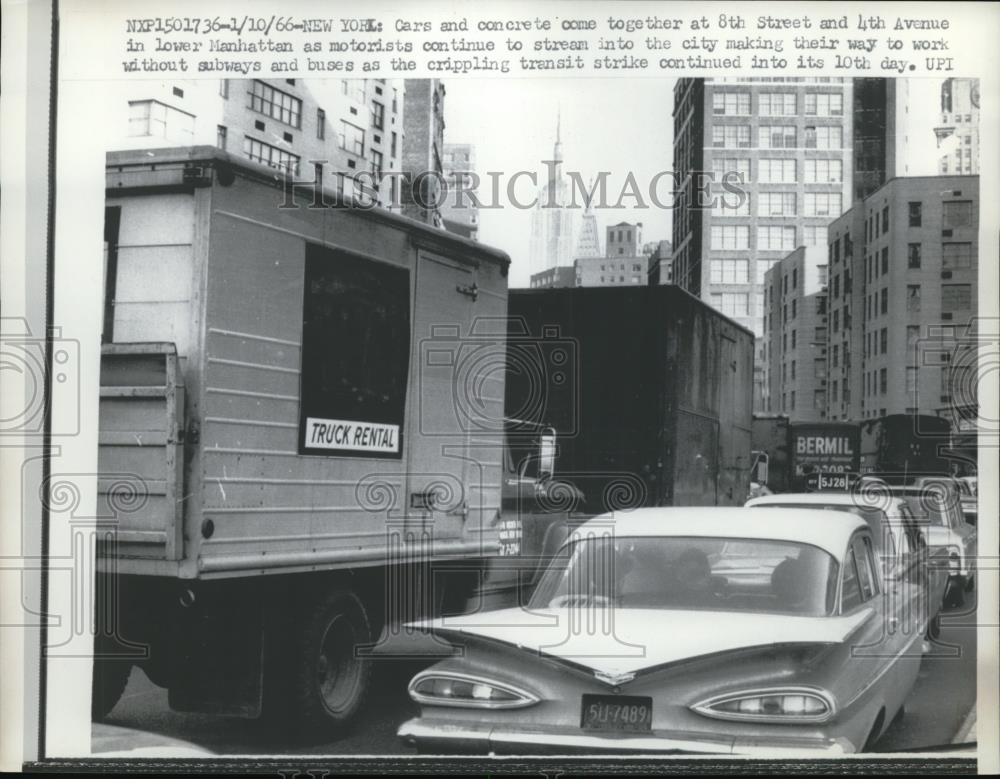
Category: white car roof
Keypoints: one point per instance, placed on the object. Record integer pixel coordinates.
(877, 500)
(828, 530)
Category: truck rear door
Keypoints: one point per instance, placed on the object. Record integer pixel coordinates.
(140, 456)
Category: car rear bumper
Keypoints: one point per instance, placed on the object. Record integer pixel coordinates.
(472, 739)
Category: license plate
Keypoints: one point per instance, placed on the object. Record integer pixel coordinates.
(620, 713)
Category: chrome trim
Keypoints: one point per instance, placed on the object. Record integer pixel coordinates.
(488, 737)
(527, 698)
(705, 707)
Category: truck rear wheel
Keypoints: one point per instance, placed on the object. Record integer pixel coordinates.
(110, 679)
(329, 680)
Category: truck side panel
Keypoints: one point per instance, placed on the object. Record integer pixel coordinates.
(265, 501)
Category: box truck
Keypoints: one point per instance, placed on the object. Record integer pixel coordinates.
(301, 435)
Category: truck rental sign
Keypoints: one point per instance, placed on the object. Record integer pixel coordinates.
(353, 436)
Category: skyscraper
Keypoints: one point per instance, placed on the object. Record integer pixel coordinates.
(552, 222)
(790, 142)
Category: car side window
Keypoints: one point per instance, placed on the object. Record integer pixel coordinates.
(867, 569)
(850, 590)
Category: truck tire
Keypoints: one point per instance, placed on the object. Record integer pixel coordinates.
(329, 682)
(110, 678)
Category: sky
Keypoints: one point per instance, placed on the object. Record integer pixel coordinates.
(613, 124)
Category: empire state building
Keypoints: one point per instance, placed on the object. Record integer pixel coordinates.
(552, 222)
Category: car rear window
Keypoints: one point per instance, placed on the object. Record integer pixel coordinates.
(724, 574)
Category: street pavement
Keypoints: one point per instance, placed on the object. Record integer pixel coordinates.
(936, 711)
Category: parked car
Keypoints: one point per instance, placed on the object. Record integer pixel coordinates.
(702, 630)
(956, 489)
(947, 531)
(902, 544)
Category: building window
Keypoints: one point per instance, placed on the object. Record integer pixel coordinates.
(885, 299)
(151, 118)
(378, 115)
(320, 123)
(956, 297)
(731, 136)
(831, 137)
(376, 166)
(265, 99)
(731, 303)
(913, 255)
(791, 398)
(777, 136)
(730, 237)
(272, 156)
(956, 255)
(772, 171)
(351, 138)
(957, 213)
(777, 104)
(738, 167)
(823, 203)
(814, 236)
(727, 204)
(220, 137)
(913, 298)
(824, 104)
(824, 171)
(883, 338)
(885, 220)
(885, 260)
(776, 204)
(731, 103)
(774, 238)
(916, 214)
(729, 272)
(224, 88)
(883, 381)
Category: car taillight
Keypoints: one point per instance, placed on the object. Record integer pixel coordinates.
(459, 690)
(791, 705)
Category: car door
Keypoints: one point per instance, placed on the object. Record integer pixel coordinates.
(877, 671)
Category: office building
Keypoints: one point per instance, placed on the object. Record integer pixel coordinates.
(794, 348)
(958, 133)
(423, 151)
(660, 265)
(623, 263)
(902, 292)
(553, 278)
(459, 210)
(328, 131)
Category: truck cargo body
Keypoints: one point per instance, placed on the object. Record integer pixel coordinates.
(905, 443)
(295, 400)
(799, 451)
(648, 388)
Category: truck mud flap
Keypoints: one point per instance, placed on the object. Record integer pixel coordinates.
(218, 657)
